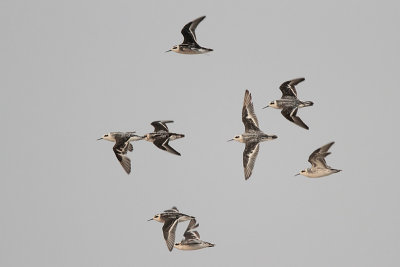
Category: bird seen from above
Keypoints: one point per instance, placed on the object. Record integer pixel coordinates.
(170, 218)
(251, 137)
(122, 146)
(289, 103)
(192, 238)
(190, 45)
(319, 167)
(161, 136)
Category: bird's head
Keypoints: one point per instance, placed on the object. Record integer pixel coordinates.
(238, 138)
(272, 104)
(157, 218)
(302, 172)
(175, 48)
(108, 137)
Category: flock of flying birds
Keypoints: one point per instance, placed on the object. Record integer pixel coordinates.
(288, 103)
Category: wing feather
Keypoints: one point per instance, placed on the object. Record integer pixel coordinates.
(288, 88)
(189, 31)
(317, 158)
(249, 117)
(169, 229)
(249, 158)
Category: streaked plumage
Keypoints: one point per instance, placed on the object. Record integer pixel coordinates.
(170, 218)
(161, 136)
(190, 45)
(289, 103)
(122, 146)
(319, 167)
(252, 135)
(192, 238)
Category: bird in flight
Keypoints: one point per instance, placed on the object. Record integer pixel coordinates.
(251, 137)
(170, 218)
(122, 146)
(190, 45)
(289, 103)
(161, 136)
(192, 238)
(319, 167)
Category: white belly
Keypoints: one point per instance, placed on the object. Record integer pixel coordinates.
(318, 173)
(191, 247)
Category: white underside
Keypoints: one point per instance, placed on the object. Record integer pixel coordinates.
(190, 247)
(318, 173)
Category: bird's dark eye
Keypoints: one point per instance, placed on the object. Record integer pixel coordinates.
(237, 136)
(105, 135)
(271, 103)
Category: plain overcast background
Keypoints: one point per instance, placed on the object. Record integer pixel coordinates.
(74, 70)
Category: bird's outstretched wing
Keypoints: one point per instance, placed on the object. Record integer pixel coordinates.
(288, 88)
(249, 117)
(317, 158)
(160, 125)
(169, 229)
(291, 114)
(163, 144)
(249, 158)
(190, 233)
(188, 31)
(120, 149)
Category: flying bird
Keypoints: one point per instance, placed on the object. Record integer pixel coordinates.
(192, 238)
(289, 103)
(161, 136)
(170, 218)
(122, 146)
(319, 167)
(190, 45)
(251, 137)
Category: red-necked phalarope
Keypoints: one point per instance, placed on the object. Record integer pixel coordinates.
(161, 136)
(251, 137)
(190, 45)
(319, 167)
(122, 146)
(192, 238)
(289, 103)
(170, 218)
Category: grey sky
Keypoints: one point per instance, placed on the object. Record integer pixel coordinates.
(74, 70)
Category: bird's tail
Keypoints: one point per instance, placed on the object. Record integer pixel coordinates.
(308, 103)
(272, 137)
(174, 136)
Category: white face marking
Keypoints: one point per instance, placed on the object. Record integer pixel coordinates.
(273, 104)
(108, 137)
(157, 218)
(238, 138)
(175, 48)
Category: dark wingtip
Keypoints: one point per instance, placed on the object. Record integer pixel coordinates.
(274, 136)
